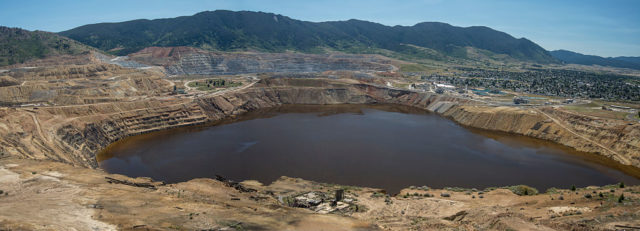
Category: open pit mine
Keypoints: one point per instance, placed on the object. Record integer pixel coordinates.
(59, 114)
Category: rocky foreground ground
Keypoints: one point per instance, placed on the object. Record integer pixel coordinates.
(46, 195)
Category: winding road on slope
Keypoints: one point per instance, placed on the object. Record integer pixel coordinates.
(620, 157)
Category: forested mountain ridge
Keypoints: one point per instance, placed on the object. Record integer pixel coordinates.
(18, 45)
(577, 58)
(243, 30)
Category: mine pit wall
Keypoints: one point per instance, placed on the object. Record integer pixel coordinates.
(189, 61)
(617, 141)
(619, 136)
(75, 134)
(78, 140)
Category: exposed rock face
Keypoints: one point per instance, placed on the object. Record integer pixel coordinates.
(74, 134)
(618, 136)
(78, 84)
(6, 81)
(123, 61)
(187, 60)
(612, 139)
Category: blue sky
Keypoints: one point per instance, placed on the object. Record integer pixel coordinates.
(605, 28)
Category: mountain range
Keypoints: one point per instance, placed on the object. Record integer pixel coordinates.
(577, 58)
(229, 31)
(223, 30)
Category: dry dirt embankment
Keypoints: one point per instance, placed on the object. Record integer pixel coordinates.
(615, 140)
(74, 134)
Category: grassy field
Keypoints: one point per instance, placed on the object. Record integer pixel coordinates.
(595, 109)
(504, 98)
(631, 105)
(414, 68)
(401, 85)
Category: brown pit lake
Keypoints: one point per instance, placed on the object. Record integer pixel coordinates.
(382, 146)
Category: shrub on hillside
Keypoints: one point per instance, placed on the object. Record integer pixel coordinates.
(523, 190)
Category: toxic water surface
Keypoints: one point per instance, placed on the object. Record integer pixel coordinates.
(384, 146)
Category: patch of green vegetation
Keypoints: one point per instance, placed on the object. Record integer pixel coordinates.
(580, 108)
(213, 84)
(236, 225)
(523, 190)
(377, 195)
(413, 68)
(457, 189)
(415, 194)
(619, 103)
(346, 188)
(357, 208)
(610, 186)
(418, 220)
(552, 190)
(489, 189)
(401, 85)
(608, 197)
(595, 109)
(288, 200)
